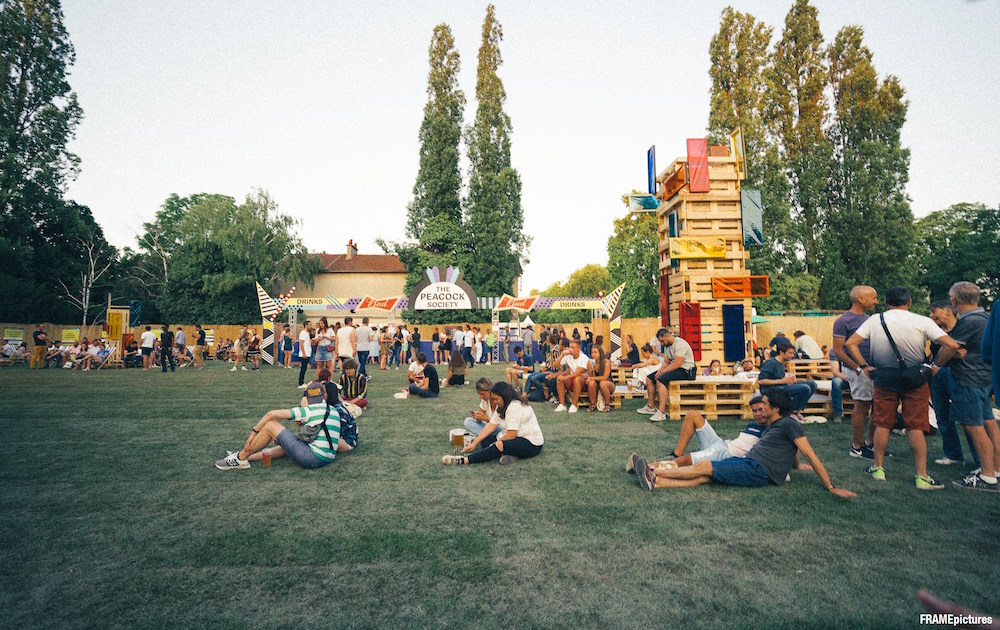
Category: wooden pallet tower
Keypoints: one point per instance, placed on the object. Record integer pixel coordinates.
(705, 288)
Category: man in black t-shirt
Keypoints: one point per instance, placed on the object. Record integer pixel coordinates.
(429, 386)
(166, 349)
(41, 343)
(768, 462)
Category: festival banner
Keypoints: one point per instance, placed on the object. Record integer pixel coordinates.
(443, 289)
(508, 302)
(697, 248)
(13, 334)
(386, 304)
(574, 303)
(69, 335)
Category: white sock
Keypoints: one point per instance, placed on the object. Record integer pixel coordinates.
(988, 479)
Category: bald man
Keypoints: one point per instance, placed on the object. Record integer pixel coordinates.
(863, 301)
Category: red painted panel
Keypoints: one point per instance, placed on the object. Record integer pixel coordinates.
(691, 326)
(664, 300)
(698, 165)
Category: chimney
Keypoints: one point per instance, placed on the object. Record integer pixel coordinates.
(352, 249)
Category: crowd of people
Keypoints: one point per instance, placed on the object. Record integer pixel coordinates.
(881, 360)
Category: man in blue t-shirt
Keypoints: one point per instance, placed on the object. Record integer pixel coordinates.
(772, 378)
(767, 463)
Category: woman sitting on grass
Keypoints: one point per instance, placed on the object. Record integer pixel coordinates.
(599, 379)
(520, 436)
(456, 369)
(319, 439)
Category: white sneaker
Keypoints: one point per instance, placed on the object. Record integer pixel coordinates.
(234, 369)
(553, 399)
(561, 407)
(244, 368)
(302, 386)
(232, 462)
(572, 409)
(659, 416)
(646, 409)
(947, 461)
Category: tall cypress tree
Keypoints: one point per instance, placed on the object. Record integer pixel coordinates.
(434, 216)
(493, 214)
(796, 113)
(868, 175)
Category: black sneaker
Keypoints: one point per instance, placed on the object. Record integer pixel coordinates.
(647, 478)
(972, 473)
(863, 452)
(976, 482)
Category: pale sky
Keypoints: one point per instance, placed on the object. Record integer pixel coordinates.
(319, 103)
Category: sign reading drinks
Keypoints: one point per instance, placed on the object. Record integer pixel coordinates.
(443, 290)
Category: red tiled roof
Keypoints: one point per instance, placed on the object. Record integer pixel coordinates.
(361, 263)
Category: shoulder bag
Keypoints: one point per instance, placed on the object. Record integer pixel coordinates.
(900, 379)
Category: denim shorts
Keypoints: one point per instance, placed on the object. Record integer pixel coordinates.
(298, 450)
(970, 405)
(713, 448)
(739, 471)
(323, 353)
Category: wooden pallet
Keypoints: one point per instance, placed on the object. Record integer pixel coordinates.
(713, 399)
(820, 370)
(616, 399)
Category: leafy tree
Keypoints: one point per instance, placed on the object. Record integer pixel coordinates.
(961, 242)
(634, 258)
(493, 214)
(869, 171)
(39, 230)
(227, 248)
(796, 112)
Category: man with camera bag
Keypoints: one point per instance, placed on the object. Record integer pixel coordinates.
(899, 370)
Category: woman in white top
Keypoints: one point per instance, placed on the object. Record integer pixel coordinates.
(520, 436)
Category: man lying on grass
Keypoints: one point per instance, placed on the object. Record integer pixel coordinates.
(319, 439)
(767, 462)
(713, 448)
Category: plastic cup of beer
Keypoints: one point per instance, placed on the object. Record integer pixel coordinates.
(630, 387)
(266, 453)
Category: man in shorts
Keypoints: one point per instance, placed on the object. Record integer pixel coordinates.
(575, 366)
(910, 332)
(677, 365)
(863, 301)
(971, 385)
(712, 447)
(768, 462)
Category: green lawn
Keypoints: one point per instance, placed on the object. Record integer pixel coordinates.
(113, 514)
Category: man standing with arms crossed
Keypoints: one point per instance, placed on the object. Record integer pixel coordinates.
(41, 343)
(199, 347)
(863, 301)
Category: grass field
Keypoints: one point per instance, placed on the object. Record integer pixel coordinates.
(113, 514)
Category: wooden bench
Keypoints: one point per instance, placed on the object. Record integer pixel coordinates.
(616, 399)
(713, 397)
